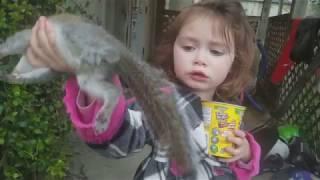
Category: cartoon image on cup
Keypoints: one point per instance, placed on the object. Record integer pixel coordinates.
(220, 120)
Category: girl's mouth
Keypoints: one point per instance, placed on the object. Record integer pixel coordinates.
(198, 76)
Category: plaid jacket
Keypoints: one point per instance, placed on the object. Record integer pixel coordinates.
(127, 133)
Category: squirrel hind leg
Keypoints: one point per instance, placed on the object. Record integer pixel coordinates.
(15, 44)
(35, 76)
(25, 73)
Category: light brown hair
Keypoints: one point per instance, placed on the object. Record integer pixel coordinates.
(233, 21)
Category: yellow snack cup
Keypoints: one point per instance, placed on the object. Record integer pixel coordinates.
(220, 119)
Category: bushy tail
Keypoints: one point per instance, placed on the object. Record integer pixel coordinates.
(166, 124)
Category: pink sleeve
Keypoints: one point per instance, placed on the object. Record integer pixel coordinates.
(245, 171)
(83, 116)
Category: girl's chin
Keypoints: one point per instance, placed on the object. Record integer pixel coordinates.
(198, 86)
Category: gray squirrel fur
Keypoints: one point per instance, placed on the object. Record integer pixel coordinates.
(95, 55)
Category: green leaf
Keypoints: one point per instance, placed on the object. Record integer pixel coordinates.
(32, 128)
(22, 124)
(1, 141)
(37, 131)
(16, 90)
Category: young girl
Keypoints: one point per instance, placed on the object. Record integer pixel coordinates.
(208, 51)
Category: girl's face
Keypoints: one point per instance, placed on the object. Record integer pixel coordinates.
(202, 57)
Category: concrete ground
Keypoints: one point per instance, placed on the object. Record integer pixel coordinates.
(89, 165)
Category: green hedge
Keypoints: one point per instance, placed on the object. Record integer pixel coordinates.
(33, 122)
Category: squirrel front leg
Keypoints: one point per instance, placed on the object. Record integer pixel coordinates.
(103, 90)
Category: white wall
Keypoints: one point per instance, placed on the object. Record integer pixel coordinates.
(253, 8)
(313, 8)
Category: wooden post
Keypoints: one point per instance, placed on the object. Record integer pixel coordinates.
(299, 8)
(121, 19)
(280, 7)
(109, 15)
(155, 6)
(263, 22)
(140, 24)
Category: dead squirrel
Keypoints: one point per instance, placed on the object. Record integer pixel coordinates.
(95, 55)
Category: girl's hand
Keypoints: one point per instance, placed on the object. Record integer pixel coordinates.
(241, 149)
(42, 51)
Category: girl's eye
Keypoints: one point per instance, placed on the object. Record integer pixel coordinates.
(216, 52)
(188, 48)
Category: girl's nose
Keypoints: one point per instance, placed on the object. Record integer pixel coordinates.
(200, 63)
(200, 58)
